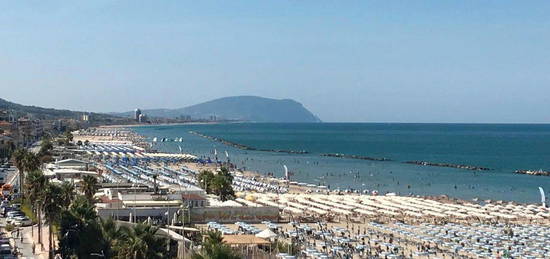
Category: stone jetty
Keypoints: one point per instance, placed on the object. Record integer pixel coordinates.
(465, 167)
(533, 172)
(356, 157)
(245, 147)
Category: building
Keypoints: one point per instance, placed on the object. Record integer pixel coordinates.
(131, 204)
(194, 200)
(70, 164)
(142, 118)
(85, 117)
(4, 115)
(137, 113)
(28, 131)
(7, 146)
(71, 170)
(70, 175)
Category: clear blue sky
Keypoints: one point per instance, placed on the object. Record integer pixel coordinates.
(375, 61)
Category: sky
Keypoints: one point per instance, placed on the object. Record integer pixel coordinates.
(476, 61)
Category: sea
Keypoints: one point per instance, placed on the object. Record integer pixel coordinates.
(504, 148)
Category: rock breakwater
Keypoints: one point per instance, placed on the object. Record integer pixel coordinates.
(356, 157)
(465, 167)
(245, 147)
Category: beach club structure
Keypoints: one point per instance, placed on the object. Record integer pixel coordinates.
(71, 170)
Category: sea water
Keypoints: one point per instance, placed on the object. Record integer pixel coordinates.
(501, 147)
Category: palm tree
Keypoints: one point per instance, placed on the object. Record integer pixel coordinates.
(31, 162)
(88, 186)
(19, 160)
(222, 185)
(25, 162)
(52, 209)
(112, 234)
(67, 194)
(80, 232)
(35, 188)
(140, 242)
(83, 209)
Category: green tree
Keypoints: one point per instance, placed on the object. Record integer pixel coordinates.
(213, 247)
(68, 137)
(219, 184)
(25, 162)
(46, 147)
(290, 248)
(205, 179)
(89, 186)
(31, 162)
(80, 232)
(52, 209)
(36, 181)
(67, 194)
(112, 234)
(222, 185)
(19, 160)
(140, 242)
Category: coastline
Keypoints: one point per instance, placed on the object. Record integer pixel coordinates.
(416, 190)
(297, 189)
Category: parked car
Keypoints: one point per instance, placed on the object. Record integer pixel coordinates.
(13, 213)
(11, 219)
(22, 221)
(6, 254)
(5, 250)
(5, 211)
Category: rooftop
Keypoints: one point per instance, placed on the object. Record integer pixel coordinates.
(244, 240)
(194, 197)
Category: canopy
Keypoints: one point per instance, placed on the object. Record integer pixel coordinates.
(266, 234)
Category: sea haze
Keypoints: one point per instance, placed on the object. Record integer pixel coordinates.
(501, 147)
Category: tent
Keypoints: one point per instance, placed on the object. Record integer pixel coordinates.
(266, 234)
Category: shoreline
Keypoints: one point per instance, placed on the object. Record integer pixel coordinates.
(302, 189)
(296, 188)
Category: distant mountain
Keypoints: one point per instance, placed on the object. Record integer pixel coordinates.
(242, 108)
(46, 113)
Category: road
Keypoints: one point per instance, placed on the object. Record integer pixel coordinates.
(24, 245)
